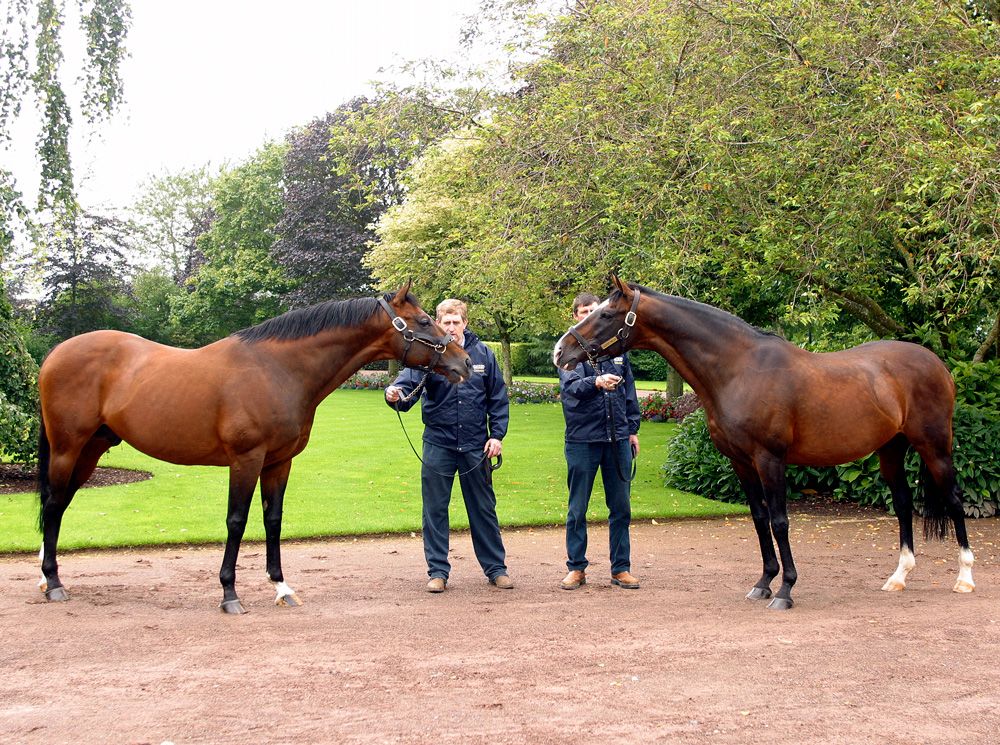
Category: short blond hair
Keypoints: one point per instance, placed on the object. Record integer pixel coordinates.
(451, 305)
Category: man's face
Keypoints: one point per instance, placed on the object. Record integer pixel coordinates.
(454, 324)
(583, 311)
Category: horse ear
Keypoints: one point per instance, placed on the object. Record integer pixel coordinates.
(621, 286)
(403, 292)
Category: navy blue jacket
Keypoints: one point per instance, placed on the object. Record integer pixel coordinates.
(461, 417)
(585, 406)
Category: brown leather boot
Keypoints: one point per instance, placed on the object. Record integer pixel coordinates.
(574, 580)
(436, 584)
(626, 580)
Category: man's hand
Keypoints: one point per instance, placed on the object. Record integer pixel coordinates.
(608, 381)
(393, 393)
(634, 442)
(493, 448)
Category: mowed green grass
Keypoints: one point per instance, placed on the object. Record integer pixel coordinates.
(357, 476)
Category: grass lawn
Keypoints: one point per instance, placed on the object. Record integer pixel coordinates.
(357, 476)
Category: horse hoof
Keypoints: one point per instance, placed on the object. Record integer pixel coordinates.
(893, 586)
(780, 604)
(290, 601)
(963, 586)
(759, 593)
(232, 607)
(56, 595)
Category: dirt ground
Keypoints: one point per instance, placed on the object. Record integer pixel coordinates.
(141, 654)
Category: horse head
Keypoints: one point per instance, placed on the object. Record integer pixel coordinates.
(604, 333)
(418, 341)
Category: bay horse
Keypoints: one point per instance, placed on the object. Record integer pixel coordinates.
(246, 402)
(769, 403)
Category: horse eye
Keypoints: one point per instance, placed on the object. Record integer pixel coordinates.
(607, 314)
(425, 321)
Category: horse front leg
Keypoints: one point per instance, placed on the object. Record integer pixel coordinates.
(273, 481)
(891, 459)
(772, 479)
(243, 474)
(750, 482)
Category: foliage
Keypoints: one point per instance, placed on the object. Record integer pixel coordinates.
(648, 365)
(334, 191)
(685, 405)
(655, 407)
(166, 215)
(154, 294)
(18, 392)
(237, 284)
(816, 162)
(694, 464)
(523, 392)
(362, 380)
(85, 276)
(31, 58)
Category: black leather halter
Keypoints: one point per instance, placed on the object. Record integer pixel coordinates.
(437, 343)
(599, 353)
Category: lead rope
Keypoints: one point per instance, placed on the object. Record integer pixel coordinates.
(490, 467)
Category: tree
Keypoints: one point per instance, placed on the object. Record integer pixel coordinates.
(166, 214)
(85, 280)
(34, 26)
(756, 155)
(440, 237)
(236, 283)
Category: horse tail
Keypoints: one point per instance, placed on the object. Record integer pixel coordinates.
(44, 487)
(935, 508)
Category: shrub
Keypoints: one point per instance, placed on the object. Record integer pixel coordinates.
(368, 380)
(648, 365)
(655, 407)
(685, 405)
(695, 465)
(521, 392)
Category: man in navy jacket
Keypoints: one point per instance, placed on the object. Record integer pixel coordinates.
(588, 395)
(464, 427)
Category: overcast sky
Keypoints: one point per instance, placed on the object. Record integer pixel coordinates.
(211, 80)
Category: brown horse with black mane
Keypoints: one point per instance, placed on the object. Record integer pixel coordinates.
(769, 403)
(246, 402)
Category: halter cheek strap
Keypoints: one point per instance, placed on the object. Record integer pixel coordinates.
(437, 343)
(598, 353)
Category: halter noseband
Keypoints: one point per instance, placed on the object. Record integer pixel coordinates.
(598, 353)
(437, 343)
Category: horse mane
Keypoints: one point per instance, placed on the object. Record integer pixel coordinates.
(717, 314)
(303, 322)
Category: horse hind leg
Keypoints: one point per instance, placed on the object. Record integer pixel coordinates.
(60, 477)
(943, 500)
(891, 457)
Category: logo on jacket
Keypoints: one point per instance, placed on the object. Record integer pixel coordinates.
(479, 369)
(619, 360)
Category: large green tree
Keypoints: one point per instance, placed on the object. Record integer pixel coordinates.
(236, 283)
(781, 159)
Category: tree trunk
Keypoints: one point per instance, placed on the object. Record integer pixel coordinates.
(675, 384)
(506, 367)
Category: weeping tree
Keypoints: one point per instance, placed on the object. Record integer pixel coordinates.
(31, 66)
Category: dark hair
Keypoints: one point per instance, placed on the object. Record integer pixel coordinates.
(584, 298)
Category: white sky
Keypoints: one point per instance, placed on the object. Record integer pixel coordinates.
(212, 80)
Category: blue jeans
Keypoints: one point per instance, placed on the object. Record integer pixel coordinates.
(480, 504)
(582, 461)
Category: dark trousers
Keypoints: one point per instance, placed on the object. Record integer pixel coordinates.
(480, 504)
(582, 461)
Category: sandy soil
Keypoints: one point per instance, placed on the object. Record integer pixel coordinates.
(141, 654)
